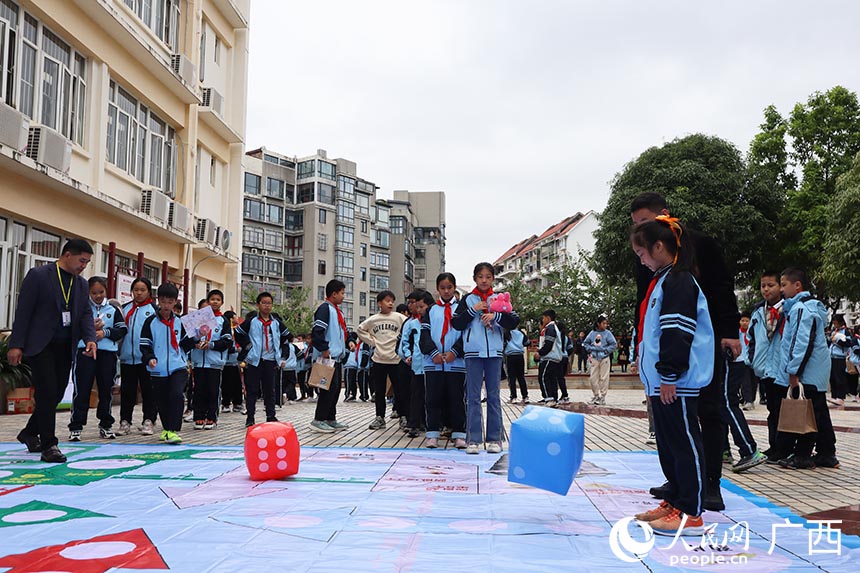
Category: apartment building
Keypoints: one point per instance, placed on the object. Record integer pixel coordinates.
(560, 244)
(122, 123)
(417, 240)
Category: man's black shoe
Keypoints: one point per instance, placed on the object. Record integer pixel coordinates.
(271, 419)
(33, 444)
(660, 491)
(713, 498)
(249, 421)
(53, 455)
(825, 461)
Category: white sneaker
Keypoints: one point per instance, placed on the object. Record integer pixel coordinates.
(188, 416)
(124, 428)
(473, 448)
(494, 448)
(652, 439)
(146, 428)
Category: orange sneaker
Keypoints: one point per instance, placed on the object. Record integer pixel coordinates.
(678, 523)
(661, 510)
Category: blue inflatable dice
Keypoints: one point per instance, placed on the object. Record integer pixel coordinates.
(546, 448)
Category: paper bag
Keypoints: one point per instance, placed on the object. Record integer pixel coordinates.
(322, 373)
(796, 415)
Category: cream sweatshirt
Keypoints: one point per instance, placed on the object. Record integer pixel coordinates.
(381, 332)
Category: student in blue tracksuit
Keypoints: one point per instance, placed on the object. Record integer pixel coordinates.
(805, 360)
(289, 367)
(328, 338)
(350, 370)
(410, 351)
(483, 344)
(841, 341)
(515, 363)
(208, 359)
(164, 345)
(444, 367)
(110, 328)
(231, 375)
(676, 359)
(263, 336)
(551, 350)
(132, 368)
(365, 353)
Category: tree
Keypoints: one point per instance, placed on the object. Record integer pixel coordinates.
(294, 310)
(841, 255)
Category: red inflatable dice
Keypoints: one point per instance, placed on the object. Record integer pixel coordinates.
(271, 451)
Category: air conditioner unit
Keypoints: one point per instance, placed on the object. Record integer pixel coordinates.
(155, 204)
(207, 231)
(46, 146)
(184, 68)
(224, 238)
(14, 128)
(213, 99)
(180, 216)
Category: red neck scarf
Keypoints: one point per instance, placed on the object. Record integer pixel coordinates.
(447, 323)
(746, 340)
(416, 316)
(169, 325)
(340, 319)
(357, 348)
(266, 325)
(484, 296)
(218, 313)
(643, 309)
(134, 307)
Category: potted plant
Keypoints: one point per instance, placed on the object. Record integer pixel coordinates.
(11, 377)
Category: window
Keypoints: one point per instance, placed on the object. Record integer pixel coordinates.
(344, 236)
(275, 214)
(348, 281)
(270, 158)
(321, 267)
(420, 257)
(254, 210)
(275, 188)
(162, 17)
(295, 246)
(343, 262)
(346, 188)
(306, 169)
(345, 212)
(362, 299)
(139, 142)
(253, 237)
(306, 193)
(274, 267)
(325, 193)
(362, 203)
(362, 274)
(378, 282)
(364, 227)
(398, 225)
(322, 216)
(322, 241)
(321, 293)
(295, 220)
(252, 184)
(379, 260)
(274, 240)
(363, 249)
(44, 244)
(381, 238)
(293, 271)
(409, 269)
(252, 264)
(382, 215)
(326, 171)
(346, 309)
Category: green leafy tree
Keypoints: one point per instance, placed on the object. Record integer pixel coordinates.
(841, 256)
(293, 309)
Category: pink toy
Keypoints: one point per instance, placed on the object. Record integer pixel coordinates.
(501, 302)
(271, 451)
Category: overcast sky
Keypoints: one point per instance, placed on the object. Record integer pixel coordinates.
(523, 111)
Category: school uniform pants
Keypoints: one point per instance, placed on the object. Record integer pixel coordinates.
(731, 411)
(288, 383)
(133, 376)
(483, 372)
(303, 384)
(801, 445)
(417, 416)
(681, 453)
(231, 385)
(363, 378)
(581, 362)
(351, 375)
(50, 373)
(168, 392)
(749, 385)
(562, 371)
(767, 389)
(548, 379)
(103, 370)
(379, 374)
(402, 389)
(598, 376)
(326, 410)
(260, 380)
(516, 364)
(207, 389)
(443, 402)
(838, 378)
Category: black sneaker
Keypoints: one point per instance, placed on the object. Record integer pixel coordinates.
(33, 444)
(249, 421)
(660, 491)
(713, 498)
(825, 461)
(271, 419)
(413, 433)
(798, 463)
(53, 455)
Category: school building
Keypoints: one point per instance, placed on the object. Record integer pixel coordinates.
(122, 122)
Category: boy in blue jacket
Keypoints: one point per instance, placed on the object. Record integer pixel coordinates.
(328, 338)
(208, 358)
(163, 345)
(805, 359)
(410, 351)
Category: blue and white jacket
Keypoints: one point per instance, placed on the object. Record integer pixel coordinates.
(677, 342)
(327, 333)
(431, 340)
(550, 346)
(155, 343)
(602, 349)
(763, 352)
(803, 350)
(220, 342)
(480, 341)
(515, 345)
(115, 328)
(252, 336)
(839, 349)
(352, 356)
(129, 350)
(410, 345)
(290, 357)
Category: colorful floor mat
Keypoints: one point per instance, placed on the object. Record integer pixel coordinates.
(194, 509)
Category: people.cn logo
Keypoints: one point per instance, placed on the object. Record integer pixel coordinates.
(624, 546)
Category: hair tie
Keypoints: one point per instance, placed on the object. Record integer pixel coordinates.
(677, 230)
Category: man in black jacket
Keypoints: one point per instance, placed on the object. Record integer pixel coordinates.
(717, 285)
(52, 315)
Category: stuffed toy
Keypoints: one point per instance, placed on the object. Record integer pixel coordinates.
(501, 302)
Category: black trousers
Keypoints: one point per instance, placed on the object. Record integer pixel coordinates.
(682, 458)
(560, 373)
(326, 409)
(231, 385)
(801, 445)
(581, 362)
(749, 385)
(516, 365)
(288, 384)
(207, 389)
(259, 380)
(838, 378)
(403, 389)
(444, 397)
(548, 379)
(731, 411)
(767, 389)
(169, 397)
(306, 390)
(711, 421)
(103, 370)
(852, 380)
(133, 376)
(417, 417)
(50, 374)
(351, 375)
(363, 378)
(379, 375)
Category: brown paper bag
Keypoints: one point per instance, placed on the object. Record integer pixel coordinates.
(322, 373)
(796, 415)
